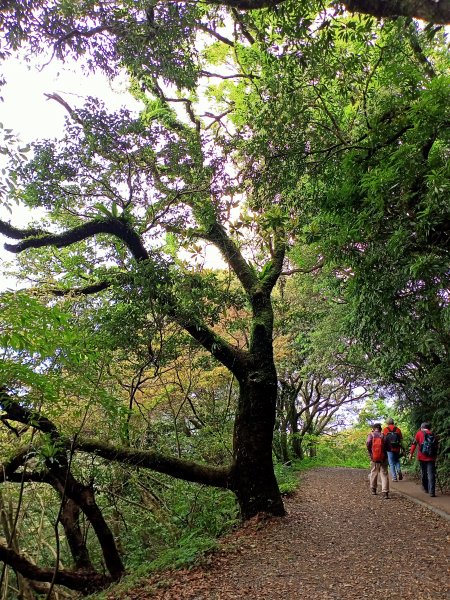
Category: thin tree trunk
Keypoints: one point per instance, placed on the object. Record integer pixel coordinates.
(284, 444)
(281, 425)
(70, 520)
(297, 449)
(25, 591)
(84, 497)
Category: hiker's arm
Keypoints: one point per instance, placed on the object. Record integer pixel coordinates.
(369, 446)
(413, 448)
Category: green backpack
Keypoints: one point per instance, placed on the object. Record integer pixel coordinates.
(429, 445)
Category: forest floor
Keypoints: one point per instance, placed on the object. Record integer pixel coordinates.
(336, 542)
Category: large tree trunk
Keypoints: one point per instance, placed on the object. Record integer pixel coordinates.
(253, 478)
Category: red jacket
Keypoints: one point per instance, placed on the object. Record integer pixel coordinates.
(389, 428)
(418, 441)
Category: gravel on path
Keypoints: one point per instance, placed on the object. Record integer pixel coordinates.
(336, 542)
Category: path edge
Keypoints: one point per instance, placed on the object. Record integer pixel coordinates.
(436, 510)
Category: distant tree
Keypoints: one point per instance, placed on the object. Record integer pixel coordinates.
(320, 370)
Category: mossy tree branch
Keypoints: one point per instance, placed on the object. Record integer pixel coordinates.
(433, 11)
(32, 238)
(181, 469)
(276, 265)
(218, 236)
(147, 459)
(85, 582)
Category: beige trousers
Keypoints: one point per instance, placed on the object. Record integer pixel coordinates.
(382, 470)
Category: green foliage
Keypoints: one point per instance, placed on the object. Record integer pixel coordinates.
(286, 477)
(362, 157)
(374, 410)
(15, 154)
(39, 342)
(169, 523)
(189, 549)
(344, 449)
(334, 132)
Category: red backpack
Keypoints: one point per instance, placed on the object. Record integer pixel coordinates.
(378, 454)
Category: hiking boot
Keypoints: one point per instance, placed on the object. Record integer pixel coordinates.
(385, 495)
(400, 476)
(394, 479)
(374, 491)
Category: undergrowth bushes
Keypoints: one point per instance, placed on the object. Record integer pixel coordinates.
(185, 520)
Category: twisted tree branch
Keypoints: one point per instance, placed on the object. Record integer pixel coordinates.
(35, 238)
(84, 582)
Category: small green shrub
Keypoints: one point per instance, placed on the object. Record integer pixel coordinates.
(345, 449)
(189, 549)
(286, 478)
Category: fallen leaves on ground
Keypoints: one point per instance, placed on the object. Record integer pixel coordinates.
(337, 542)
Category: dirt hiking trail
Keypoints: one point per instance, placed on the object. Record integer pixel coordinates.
(336, 542)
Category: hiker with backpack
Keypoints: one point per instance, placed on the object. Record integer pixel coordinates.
(376, 446)
(394, 447)
(427, 442)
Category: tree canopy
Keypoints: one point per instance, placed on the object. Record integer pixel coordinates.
(296, 139)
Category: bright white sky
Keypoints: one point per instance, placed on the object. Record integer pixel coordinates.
(27, 111)
(31, 116)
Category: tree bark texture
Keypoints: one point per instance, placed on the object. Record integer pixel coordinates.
(296, 438)
(253, 478)
(70, 519)
(434, 11)
(84, 582)
(84, 497)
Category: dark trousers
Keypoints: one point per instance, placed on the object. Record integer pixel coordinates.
(428, 468)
